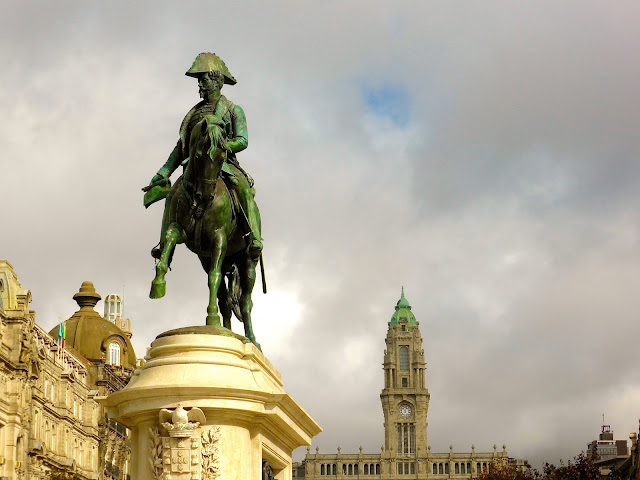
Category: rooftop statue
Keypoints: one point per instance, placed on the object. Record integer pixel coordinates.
(211, 207)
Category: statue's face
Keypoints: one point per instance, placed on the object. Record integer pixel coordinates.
(206, 85)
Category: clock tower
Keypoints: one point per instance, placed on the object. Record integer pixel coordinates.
(405, 399)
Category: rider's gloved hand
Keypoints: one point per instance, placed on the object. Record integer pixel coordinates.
(156, 178)
(162, 173)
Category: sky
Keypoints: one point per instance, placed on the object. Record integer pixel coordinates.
(484, 155)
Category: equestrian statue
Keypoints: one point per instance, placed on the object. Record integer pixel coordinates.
(211, 207)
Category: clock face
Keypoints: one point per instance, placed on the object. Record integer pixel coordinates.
(404, 411)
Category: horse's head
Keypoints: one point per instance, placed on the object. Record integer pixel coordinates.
(208, 134)
(207, 148)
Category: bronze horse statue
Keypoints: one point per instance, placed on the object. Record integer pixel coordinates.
(202, 215)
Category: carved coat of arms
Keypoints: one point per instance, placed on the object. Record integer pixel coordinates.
(183, 450)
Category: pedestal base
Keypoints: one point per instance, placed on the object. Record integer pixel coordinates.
(209, 406)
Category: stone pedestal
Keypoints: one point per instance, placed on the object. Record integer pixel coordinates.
(209, 406)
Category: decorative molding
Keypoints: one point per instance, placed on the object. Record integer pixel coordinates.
(211, 453)
(155, 454)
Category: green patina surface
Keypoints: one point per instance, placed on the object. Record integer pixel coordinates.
(211, 206)
(403, 310)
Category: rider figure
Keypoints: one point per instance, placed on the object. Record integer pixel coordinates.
(212, 73)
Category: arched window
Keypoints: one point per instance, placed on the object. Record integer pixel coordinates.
(114, 353)
(404, 358)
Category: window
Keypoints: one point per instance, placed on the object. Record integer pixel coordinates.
(321, 469)
(405, 382)
(366, 469)
(406, 438)
(435, 468)
(446, 468)
(457, 468)
(403, 328)
(114, 354)
(440, 469)
(404, 358)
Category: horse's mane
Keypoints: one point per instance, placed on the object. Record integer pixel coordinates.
(215, 131)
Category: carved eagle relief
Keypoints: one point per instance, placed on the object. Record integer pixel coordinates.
(180, 416)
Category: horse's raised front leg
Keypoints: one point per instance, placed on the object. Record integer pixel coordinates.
(215, 276)
(247, 281)
(172, 238)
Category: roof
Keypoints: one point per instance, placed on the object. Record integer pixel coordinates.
(89, 334)
(403, 312)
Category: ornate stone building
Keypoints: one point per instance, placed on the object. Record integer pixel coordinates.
(51, 425)
(405, 402)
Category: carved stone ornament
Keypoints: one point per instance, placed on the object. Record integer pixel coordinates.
(182, 423)
(186, 452)
(211, 454)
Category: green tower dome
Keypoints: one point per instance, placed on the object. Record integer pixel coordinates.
(403, 311)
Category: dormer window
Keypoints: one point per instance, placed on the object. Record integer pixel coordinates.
(114, 354)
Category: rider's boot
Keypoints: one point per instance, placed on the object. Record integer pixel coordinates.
(254, 247)
(156, 251)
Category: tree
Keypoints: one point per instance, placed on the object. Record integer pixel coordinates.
(582, 467)
(505, 470)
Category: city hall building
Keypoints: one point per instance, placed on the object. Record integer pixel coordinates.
(405, 402)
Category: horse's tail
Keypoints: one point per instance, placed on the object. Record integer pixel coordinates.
(234, 292)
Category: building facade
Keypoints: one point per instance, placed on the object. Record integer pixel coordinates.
(405, 397)
(51, 426)
(609, 454)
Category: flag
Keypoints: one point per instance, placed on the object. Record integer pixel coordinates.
(62, 333)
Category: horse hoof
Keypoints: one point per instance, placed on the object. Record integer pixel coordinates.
(253, 340)
(158, 289)
(214, 320)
